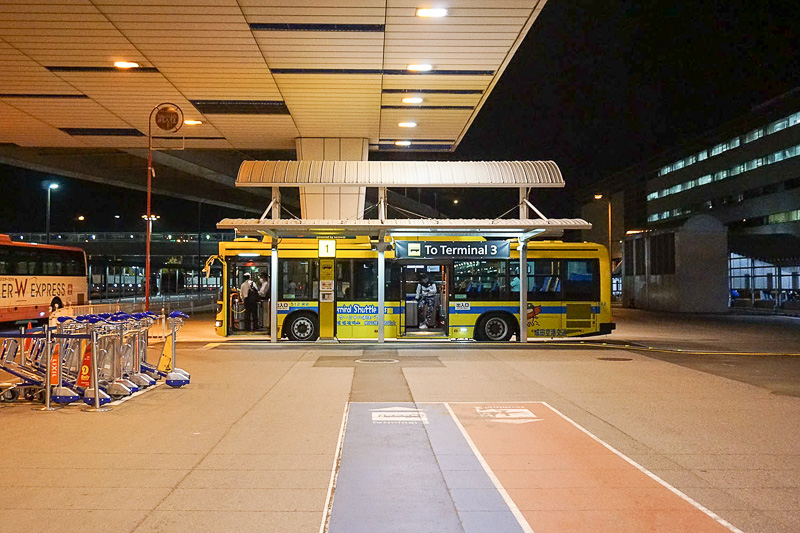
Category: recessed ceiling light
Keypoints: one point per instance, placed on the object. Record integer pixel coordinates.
(192, 122)
(125, 64)
(407, 124)
(420, 68)
(412, 100)
(402, 143)
(433, 12)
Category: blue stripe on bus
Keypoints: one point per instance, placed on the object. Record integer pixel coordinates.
(474, 309)
(481, 308)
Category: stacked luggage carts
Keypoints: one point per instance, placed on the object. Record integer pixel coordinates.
(94, 358)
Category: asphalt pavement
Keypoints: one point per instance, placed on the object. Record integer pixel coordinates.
(644, 429)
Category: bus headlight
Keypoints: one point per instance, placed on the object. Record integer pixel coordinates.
(218, 323)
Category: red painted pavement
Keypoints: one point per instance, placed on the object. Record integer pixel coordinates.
(562, 479)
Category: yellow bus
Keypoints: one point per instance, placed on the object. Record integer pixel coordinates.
(476, 283)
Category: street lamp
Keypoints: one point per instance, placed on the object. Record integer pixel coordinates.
(149, 218)
(608, 199)
(50, 186)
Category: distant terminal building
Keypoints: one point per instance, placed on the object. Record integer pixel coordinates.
(746, 175)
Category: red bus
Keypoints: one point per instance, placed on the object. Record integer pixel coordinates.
(37, 279)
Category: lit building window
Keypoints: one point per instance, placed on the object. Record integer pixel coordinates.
(753, 135)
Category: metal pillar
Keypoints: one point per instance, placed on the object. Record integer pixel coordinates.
(381, 292)
(276, 203)
(382, 203)
(523, 203)
(523, 290)
(273, 293)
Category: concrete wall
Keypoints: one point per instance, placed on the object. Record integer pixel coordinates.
(332, 202)
(700, 281)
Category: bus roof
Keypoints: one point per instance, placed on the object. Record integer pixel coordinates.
(494, 174)
(5, 240)
(418, 227)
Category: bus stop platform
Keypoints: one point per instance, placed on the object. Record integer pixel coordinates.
(670, 424)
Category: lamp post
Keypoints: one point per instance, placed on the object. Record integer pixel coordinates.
(608, 200)
(50, 186)
(149, 218)
(168, 117)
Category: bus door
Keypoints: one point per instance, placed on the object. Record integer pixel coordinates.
(238, 266)
(428, 316)
(545, 317)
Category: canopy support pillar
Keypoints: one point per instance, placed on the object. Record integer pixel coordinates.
(273, 293)
(276, 203)
(382, 203)
(523, 290)
(523, 203)
(381, 292)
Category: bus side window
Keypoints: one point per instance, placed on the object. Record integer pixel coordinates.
(393, 288)
(294, 281)
(582, 280)
(544, 281)
(5, 261)
(365, 279)
(480, 280)
(25, 264)
(343, 282)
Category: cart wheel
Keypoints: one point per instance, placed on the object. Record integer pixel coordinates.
(10, 395)
(29, 394)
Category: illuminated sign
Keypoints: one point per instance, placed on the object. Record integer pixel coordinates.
(448, 249)
(327, 248)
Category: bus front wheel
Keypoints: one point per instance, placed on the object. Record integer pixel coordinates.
(303, 327)
(495, 327)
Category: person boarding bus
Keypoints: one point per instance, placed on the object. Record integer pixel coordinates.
(426, 293)
(249, 294)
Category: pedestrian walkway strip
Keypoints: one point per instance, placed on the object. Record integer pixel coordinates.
(500, 467)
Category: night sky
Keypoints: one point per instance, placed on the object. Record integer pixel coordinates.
(595, 86)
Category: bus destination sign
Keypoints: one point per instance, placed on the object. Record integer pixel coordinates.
(451, 249)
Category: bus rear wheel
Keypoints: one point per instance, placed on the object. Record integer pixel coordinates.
(495, 327)
(303, 327)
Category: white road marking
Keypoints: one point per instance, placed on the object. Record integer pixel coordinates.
(526, 527)
(334, 472)
(651, 475)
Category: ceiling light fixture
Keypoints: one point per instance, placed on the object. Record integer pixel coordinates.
(431, 12)
(407, 124)
(192, 122)
(402, 143)
(126, 64)
(420, 68)
(412, 100)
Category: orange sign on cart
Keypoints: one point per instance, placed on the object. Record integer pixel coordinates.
(85, 378)
(54, 366)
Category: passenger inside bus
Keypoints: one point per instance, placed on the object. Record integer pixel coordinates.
(426, 296)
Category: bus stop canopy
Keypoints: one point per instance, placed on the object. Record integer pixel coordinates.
(516, 228)
(495, 174)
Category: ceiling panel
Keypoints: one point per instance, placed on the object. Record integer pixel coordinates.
(207, 50)
(271, 132)
(21, 128)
